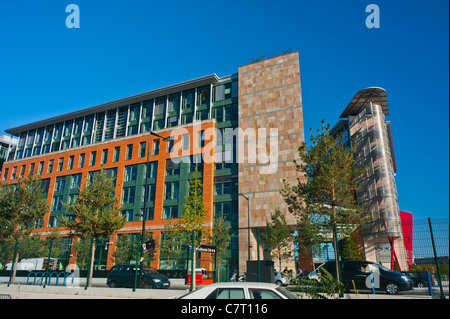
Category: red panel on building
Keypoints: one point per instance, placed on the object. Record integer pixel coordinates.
(407, 228)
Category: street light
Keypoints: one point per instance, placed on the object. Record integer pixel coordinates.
(146, 189)
(248, 220)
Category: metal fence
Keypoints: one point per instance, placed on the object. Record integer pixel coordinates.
(422, 252)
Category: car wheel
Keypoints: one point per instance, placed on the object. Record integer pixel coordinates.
(112, 284)
(147, 285)
(392, 288)
(279, 283)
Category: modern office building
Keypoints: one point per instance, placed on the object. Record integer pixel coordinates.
(363, 123)
(257, 123)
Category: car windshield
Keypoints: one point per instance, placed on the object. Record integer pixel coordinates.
(382, 267)
(149, 270)
(287, 293)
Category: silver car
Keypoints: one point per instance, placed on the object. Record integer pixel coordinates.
(241, 290)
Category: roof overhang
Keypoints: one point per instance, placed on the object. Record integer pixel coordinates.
(376, 95)
(205, 80)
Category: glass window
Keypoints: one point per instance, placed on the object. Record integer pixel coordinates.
(188, 99)
(185, 142)
(172, 168)
(263, 294)
(81, 161)
(219, 93)
(147, 109)
(70, 164)
(153, 167)
(68, 128)
(60, 164)
(155, 150)
(41, 167)
(132, 130)
(158, 124)
(187, 118)
(60, 183)
(142, 147)
(78, 126)
(160, 106)
(50, 166)
(129, 151)
(203, 95)
(5, 175)
(170, 212)
(93, 156)
(58, 130)
(134, 112)
(76, 181)
(57, 203)
(227, 293)
(200, 138)
(88, 123)
(128, 194)
(128, 213)
(130, 173)
(116, 154)
(171, 190)
(13, 174)
(104, 156)
(174, 102)
(202, 115)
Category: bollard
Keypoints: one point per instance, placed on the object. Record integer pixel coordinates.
(372, 282)
(430, 286)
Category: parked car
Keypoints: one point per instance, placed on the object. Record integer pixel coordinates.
(359, 273)
(280, 279)
(420, 278)
(240, 290)
(123, 275)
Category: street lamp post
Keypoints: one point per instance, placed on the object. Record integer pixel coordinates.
(248, 221)
(146, 191)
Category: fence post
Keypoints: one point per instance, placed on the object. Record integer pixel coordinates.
(435, 259)
(48, 263)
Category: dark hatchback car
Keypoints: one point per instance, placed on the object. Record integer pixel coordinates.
(358, 272)
(420, 278)
(123, 275)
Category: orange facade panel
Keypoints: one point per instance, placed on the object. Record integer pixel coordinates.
(56, 164)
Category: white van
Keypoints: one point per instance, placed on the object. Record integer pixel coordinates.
(34, 264)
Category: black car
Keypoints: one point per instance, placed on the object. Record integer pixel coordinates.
(420, 278)
(123, 275)
(356, 273)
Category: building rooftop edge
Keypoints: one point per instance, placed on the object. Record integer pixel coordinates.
(211, 78)
(360, 100)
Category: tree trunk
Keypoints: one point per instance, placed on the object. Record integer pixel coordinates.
(338, 277)
(92, 263)
(13, 280)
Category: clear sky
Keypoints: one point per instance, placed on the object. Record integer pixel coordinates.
(128, 47)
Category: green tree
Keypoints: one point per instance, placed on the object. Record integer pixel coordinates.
(192, 222)
(127, 246)
(221, 238)
(21, 207)
(96, 212)
(330, 188)
(277, 237)
(170, 242)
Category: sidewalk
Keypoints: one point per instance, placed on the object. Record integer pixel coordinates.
(17, 291)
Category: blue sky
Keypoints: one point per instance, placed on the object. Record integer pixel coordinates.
(128, 47)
